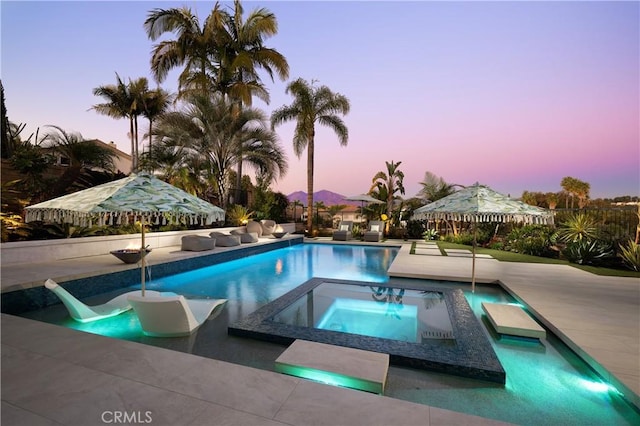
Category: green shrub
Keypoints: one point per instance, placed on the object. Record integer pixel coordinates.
(534, 240)
(415, 228)
(588, 252)
(430, 235)
(630, 254)
(465, 238)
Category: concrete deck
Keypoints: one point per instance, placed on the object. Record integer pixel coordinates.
(54, 375)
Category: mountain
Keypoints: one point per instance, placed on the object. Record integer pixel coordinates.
(327, 197)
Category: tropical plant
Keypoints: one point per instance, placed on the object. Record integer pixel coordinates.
(82, 155)
(630, 255)
(435, 187)
(391, 182)
(154, 104)
(430, 234)
(312, 105)
(193, 47)
(238, 215)
(31, 161)
(578, 227)
(588, 252)
(209, 132)
(575, 188)
(124, 101)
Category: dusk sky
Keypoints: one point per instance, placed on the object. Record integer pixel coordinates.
(514, 95)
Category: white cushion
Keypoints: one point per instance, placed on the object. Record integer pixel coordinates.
(375, 228)
(344, 227)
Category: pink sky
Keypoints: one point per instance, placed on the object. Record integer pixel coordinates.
(515, 95)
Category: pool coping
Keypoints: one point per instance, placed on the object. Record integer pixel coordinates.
(472, 356)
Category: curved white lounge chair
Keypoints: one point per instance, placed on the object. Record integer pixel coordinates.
(85, 313)
(172, 316)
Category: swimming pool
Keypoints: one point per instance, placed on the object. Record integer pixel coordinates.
(546, 382)
(418, 326)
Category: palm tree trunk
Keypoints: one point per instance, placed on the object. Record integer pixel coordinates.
(135, 119)
(134, 163)
(310, 149)
(238, 191)
(150, 132)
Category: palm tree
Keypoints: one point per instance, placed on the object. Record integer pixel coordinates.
(155, 103)
(241, 53)
(312, 105)
(118, 105)
(82, 154)
(392, 181)
(435, 187)
(210, 131)
(194, 48)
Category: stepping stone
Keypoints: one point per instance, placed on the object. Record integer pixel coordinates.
(335, 365)
(469, 254)
(512, 320)
(428, 251)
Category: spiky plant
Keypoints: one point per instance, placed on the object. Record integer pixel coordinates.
(630, 254)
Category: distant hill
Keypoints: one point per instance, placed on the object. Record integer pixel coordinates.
(327, 197)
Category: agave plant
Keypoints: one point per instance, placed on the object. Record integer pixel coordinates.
(578, 227)
(238, 215)
(630, 254)
(587, 252)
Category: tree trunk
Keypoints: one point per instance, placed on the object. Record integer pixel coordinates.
(238, 191)
(135, 120)
(310, 152)
(134, 162)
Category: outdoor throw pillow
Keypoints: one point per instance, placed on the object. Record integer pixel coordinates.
(344, 227)
(375, 228)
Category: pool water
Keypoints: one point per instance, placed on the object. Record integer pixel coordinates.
(546, 382)
(375, 311)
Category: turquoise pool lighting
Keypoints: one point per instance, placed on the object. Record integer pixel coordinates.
(371, 319)
(547, 383)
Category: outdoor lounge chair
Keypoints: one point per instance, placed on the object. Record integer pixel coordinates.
(85, 313)
(344, 231)
(374, 231)
(225, 240)
(253, 226)
(268, 227)
(197, 243)
(245, 237)
(172, 316)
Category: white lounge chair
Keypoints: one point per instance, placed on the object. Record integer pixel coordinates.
(172, 316)
(85, 313)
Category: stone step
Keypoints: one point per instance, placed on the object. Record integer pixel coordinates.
(335, 365)
(512, 320)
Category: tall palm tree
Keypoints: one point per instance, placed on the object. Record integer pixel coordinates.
(155, 103)
(391, 181)
(312, 105)
(241, 54)
(118, 105)
(211, 131)
(195, 47)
